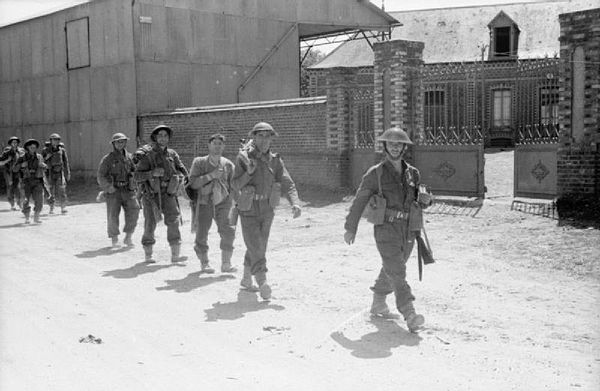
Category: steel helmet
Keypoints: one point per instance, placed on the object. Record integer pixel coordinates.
(31, 141)
(395, 135)
(158, 129)
(118, 137)
(261, 127)
(54, 135)
(10, 140)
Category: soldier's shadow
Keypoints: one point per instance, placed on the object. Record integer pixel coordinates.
(136, 270)
(378, 344)
(192, 281)
(104, 251)
(17, 225)
(246, 302)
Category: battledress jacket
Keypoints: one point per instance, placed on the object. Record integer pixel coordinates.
(116, 168)
(157, 157)
(399, 190)
(57, 160)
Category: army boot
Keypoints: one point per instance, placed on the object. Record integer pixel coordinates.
(226, 262)
(27, 218)
(246, 281)
(51, 210)
(205, 264)
(379, 306)
(36, 218)
(148, 254)
(263, 288)
(414, 321)
(114, 240)
(63, 209)
(127, 241)
(175, 257)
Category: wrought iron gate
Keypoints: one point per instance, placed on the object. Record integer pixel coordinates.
(362, 132)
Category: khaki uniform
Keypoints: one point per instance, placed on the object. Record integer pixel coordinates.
(12, 175)
(32, 168)
(59, 172)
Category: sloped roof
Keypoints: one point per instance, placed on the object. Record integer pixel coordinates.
(458, 34)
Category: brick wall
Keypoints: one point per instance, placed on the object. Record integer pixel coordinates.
(302, 141)
(578, 155)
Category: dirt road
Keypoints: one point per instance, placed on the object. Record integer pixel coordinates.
(511, 304)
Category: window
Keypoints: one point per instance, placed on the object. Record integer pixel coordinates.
(502, 100)
(502, 41)
(78, 43)
(549, 106)
(435, 109)
(504, 37)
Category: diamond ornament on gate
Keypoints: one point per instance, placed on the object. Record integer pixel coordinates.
(445, 170)
(540, 171)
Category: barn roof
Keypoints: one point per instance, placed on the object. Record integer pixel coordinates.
(458, 34)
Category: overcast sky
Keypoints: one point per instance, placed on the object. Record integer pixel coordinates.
(12, 10)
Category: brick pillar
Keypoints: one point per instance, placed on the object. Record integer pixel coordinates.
(398, 87)
(579, 104)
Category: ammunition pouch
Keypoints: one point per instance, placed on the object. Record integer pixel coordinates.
(375, 210)
(246, 198)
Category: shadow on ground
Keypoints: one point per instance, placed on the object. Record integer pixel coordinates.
(246, 302)
(104, 251)
(192, 281)
(378, 344)
(137, 270)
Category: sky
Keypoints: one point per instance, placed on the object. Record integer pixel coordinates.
(12, 10)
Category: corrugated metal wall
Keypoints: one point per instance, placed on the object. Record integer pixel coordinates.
(38, 95)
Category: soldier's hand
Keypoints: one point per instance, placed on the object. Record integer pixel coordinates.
(111, 189)
(251, 167)
(296, 211)
(158, 171)
(349, 237)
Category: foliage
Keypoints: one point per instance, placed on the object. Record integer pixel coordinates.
(314, 56)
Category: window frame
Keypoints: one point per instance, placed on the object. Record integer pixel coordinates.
(87, 31)
(504, 122)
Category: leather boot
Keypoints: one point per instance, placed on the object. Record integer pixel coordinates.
(27, 218)
(246, 281)
(379, 306)
(226, 262)
(175, 257)
(114, 241)
(36, 218)
(51, 210)
(205, 264)
(127, 241)
(148, 254)
(414, 321)
(63, 210)
(263, 288)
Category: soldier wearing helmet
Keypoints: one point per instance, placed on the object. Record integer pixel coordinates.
(59, 171)
(115, 177)
(160, 174)
(260, 176)
(394, 186)
(8, 161)
(32, 168)
(210, 179)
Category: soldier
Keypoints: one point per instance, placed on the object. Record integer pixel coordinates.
(115, 177)
(211, 177)
(8, 160)
(260, 176)
(397, 182)
(59, 172)
(32, 168)
(158, 172)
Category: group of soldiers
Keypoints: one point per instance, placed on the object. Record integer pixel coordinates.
(224, 191)
(218, 190)
(31, 176)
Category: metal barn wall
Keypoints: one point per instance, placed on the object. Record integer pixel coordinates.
(39, 95)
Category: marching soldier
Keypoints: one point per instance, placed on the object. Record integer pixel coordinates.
(396, 184)
(210, 177)
(8, 160)
(59, 172)
(32, 168)
(260, 176)
(115, 177)
(159, 172)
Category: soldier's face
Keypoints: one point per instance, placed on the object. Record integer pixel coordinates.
(32, 148)
(395, 150)
(54, 142)
(162, 138)
(216, 147)
(262, 140)
(14, 143)
(120, 144)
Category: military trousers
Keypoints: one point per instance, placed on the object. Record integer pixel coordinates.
(125, 199)
(13, 189)
(33, 189)
(58, 188)
(256, 227)
(395, 243)
(170, 212)
(205, 214)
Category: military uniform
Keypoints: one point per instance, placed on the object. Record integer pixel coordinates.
(115, 177)
(394, 239)
(12, 175)
(159, 193)
(259, 196)
(59, 173)
(32, 168)
(213, 201)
